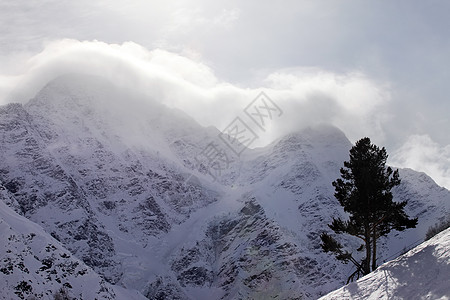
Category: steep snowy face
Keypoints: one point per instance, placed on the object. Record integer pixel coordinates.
(422, 273)
(247, 255)
(115, 178)
(94, 186)
(36, 266)
(76, 107)
(269, 244)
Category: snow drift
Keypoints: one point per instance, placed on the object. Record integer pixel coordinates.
(421, 273)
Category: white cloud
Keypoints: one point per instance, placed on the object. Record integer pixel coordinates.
(128, 64)
(354, 49)
(170, 78)
(307, 96)
(227, 18)
(421, 153)
(351, 101)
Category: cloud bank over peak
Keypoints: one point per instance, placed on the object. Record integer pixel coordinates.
(352, 101)
(306, 95)
(421, 153)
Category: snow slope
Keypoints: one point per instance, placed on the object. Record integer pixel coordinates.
(421, 273)
(113, 176)
(35, 264)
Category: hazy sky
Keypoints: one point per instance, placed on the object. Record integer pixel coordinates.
(372, 68)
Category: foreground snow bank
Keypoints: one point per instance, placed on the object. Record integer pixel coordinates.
(422, 273)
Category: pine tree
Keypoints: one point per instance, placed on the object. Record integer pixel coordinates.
(364, 191)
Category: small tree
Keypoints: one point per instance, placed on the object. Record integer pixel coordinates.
(364, 191)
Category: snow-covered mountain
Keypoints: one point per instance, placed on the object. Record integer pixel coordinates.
(36, 266)
(115, 178)
(422, 273)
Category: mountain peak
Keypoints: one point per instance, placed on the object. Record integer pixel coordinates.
(320, 135)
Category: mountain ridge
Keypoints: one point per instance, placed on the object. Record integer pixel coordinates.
(122, 190)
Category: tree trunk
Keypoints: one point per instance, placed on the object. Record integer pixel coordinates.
(374, 250)
(366, 264)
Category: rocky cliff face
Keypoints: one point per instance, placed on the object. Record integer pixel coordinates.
(35, 265)
(116, 179)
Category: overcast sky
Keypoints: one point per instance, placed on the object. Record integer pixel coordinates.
(372, 68)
